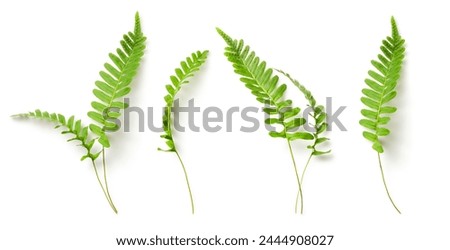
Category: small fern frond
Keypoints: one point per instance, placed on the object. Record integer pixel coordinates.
(182, 75)
(382, 88)
(264, 85)
(317, 112)
(115, 83)
(73, 127)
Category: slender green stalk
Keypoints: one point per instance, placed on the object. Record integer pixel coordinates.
(298, 178)
(174, 149)
(385, 186)
(181, 161)
(306, 166)
(106, 179)
(187, 182)
(103, 189)
(301, 181)
(296, 201)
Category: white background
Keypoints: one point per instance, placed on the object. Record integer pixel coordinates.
(243, 183)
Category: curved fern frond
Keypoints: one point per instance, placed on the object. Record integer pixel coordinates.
(382, 84)
(316, 112)
(115, 83)
(71, 125)
(182, 75)
(263, 84)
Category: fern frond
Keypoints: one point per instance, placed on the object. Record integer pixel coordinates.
(382, 84)
(115, 83)
(317, 112)
(264, 85)
(182, 75)
(71, 125)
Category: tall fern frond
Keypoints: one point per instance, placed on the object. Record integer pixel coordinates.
(264, 85)
(382, 88)
(182, 76)
(382, 85)
(115, 83)
(73, 127)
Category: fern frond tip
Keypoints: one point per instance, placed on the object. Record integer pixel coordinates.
(225, 37)
(19, 116)
(137, 24)
(395, 33)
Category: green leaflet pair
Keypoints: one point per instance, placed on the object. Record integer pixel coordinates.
(263, 82)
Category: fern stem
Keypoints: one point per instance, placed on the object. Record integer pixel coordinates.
(106, 180)
(297, 175)
(187, 181)
(385, 185)
(181, 161)
(301, 181)
(103, 189)
(306, 166)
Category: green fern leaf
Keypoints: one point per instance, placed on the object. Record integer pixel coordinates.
(115, 83)
(72, 127)
(382, 88)
(182, 75)
(318, 114)
(264, 85)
